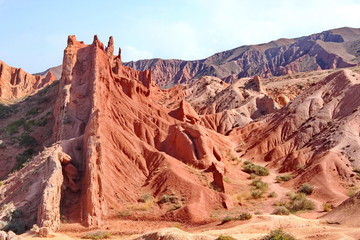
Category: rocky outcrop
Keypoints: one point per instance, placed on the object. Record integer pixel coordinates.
(346, 213)
(34, 193)
(185, 113)
(109, 125)
(222, 107)
(15, 83)
(56, 71)
(327, 50)
(310, 136)
(9, 236)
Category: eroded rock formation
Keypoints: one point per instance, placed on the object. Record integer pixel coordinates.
(15, 83)
(311, 136)
(111, 128)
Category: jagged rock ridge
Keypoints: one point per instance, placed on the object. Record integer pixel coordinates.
(335, 48)
(15, 83)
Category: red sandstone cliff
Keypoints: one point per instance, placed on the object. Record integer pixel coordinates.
(15, 83)
(116, 136)
(119, 140)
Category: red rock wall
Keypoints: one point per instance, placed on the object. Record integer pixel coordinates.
(15, 83)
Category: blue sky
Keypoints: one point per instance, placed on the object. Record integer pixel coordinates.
(34, 32)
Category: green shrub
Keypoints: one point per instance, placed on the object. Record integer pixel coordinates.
(258, 189)
(327, 207)
(15, 223)
(249, 167)
(145, 197)
(278, 234)
(41, 122)
(6, 111)
(298, 202)
(227, 219)
(124, 213)
(23, 158)
(175, 206)
(13, 128)
(272, 195)
(67, 119)
(258, 184)
(226, 179)
(244, 216)
(352, 191)
(256, 193)
(33, 111)
(97, 235)
(253, 176)
(225, 237)
(306, 188)
(281, 210)
(283, 178)
(169, 199)
(26, 140)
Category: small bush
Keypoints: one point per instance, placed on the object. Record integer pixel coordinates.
(67, 119)
(124, 214)
(253, 176)
(283, 178)
(226, 179)
(175, 206)
(6, 111)
(225, 237)
(145, 197)
(26, 140)
(352, 191)
(169, 199)
(41, 122)
(281, 210)
(15, 222)
(272, 195)
(278, 234)
(298, 202)
(23, 158)
(258, 184)
(249, 167)
(227, 219)
(13, 128)
(256, 193)
(97, 235)
(244, 216)
(259, 188)
(306, 188)
(33, 111)
(327, 207)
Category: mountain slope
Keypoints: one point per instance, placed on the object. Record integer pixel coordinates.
(335, 48)
(315, 137)
(15, 83)
(56, 71)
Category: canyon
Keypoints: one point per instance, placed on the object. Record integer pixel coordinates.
(106, 143)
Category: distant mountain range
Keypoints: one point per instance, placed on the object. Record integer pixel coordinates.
(336, 48)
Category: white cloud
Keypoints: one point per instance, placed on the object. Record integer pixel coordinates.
(130, 53)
